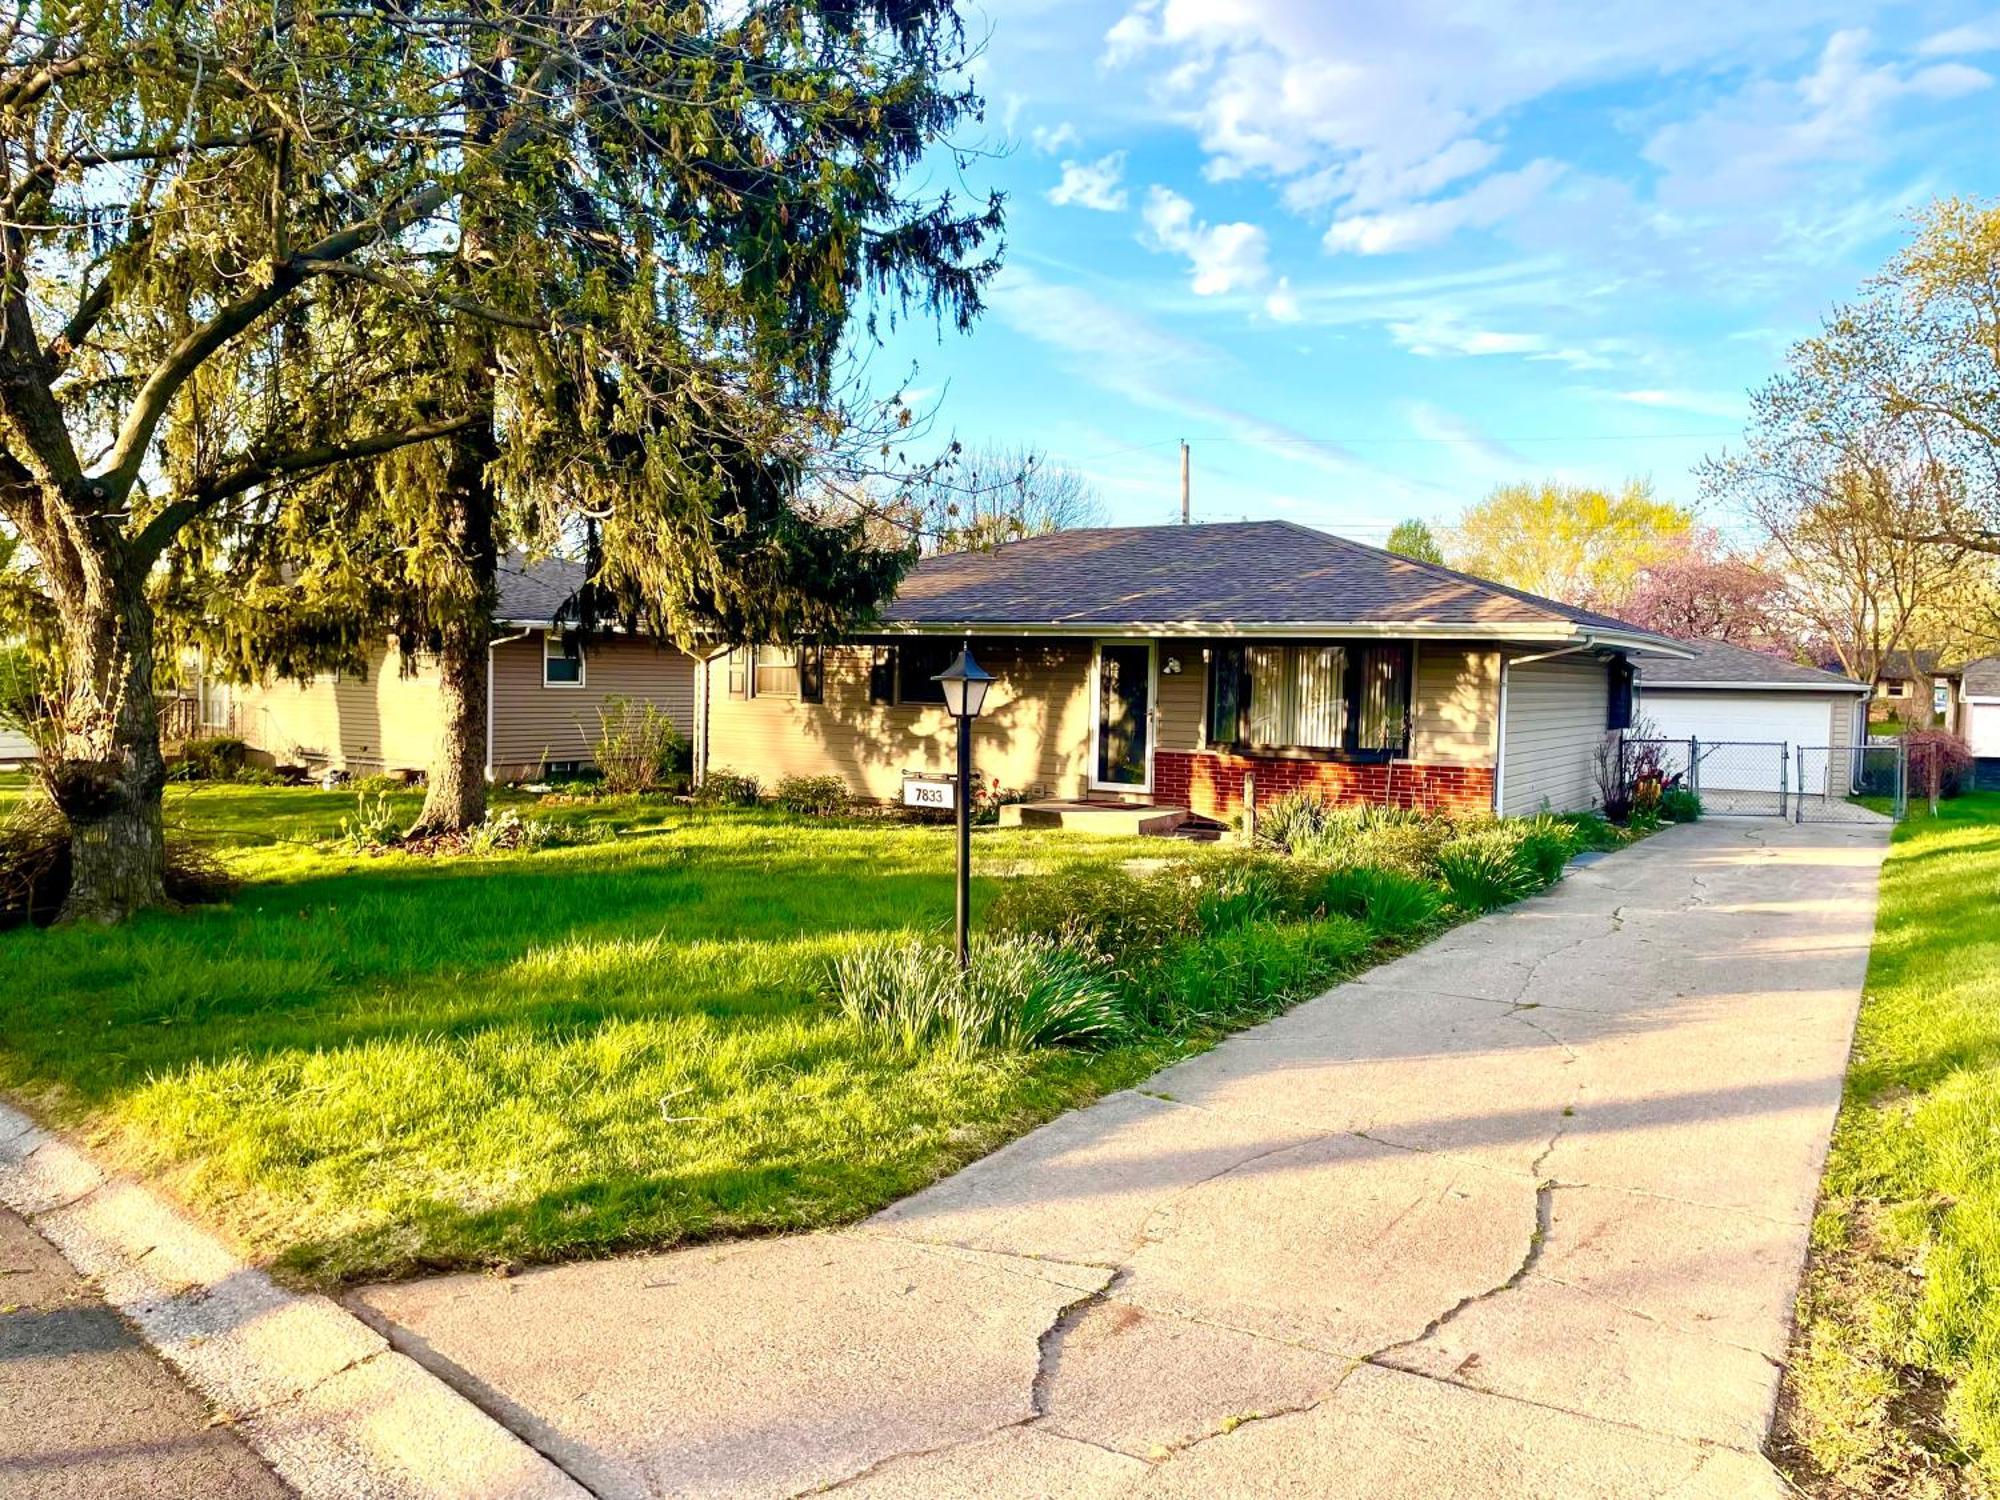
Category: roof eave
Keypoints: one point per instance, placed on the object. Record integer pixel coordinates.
(1498, 631)
(1773, 687)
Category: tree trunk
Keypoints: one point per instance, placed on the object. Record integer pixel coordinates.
(456, 796)
(455, 799)
(111, 775)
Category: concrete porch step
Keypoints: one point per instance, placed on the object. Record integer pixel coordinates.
(1094, 817)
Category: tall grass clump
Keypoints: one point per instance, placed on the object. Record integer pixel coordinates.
(1020, 993)
(1254, 970)
(1486, 870)
(1394, 905)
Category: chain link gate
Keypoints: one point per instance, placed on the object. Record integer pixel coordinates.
(1852, 783)
(1733, 778)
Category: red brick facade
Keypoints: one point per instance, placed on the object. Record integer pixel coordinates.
(1210, 783)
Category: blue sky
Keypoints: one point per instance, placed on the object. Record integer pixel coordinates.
(1372, 258)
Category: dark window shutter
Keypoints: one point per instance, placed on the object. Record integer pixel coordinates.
(739, 672)
(812, 674)
(882, 675)
(1228, 696)
(1620, 714)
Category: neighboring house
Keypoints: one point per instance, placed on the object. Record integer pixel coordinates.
(1726, 695)
(1979, 718)
(1916, 688)
(1162, 664)
(545, 688)
(15, 747)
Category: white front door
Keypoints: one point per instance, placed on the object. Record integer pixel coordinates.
(1121, 716)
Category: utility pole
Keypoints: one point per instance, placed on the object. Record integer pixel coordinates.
(1185, 514)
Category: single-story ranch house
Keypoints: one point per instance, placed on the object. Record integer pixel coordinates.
(1161, 664)
(544, 690)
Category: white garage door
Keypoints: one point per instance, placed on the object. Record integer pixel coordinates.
(1795, 718)
(1982, 728)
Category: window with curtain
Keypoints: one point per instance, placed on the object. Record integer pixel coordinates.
(1329, 698)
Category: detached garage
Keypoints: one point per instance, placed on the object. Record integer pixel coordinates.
(1731, 696)
(1979, 699)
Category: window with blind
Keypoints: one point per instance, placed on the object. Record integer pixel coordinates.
(778, 672)
(1339, 699)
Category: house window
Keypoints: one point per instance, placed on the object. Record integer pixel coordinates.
(1339, 699)
(1897, 688)
(917, 662)
(778, 672)
(882, 674)
(562, 660)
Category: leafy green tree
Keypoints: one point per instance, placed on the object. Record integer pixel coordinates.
(257, 272)
(1414, 538)
(1576, 543)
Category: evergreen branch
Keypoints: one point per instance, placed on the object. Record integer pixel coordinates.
(263, 468)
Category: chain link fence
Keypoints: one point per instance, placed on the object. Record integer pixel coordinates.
(1851, 783)
(1736, 778)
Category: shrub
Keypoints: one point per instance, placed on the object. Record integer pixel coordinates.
(1590, 830)
(638, 747)
(1679, 805)
(1019, 993)
(1486, 870)
(35, 867)
(1939, 748)
(812, 796)
(216, 757)
(506, 830)
(1114, 920)
(720, 788)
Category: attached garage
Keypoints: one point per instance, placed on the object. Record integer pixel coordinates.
(1751, 703)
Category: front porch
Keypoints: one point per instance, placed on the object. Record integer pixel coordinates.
(1105, 815)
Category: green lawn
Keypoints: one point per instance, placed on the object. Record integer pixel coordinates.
(1894, 1384)
(369, 1066)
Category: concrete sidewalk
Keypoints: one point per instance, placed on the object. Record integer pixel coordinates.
(86, 1411)
(1518, 1215)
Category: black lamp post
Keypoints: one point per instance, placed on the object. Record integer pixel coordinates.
(965, 683)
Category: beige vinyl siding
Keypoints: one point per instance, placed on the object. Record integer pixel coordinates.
(1555, 721)
(1034, 735)
(373, 720)
(535, 724)
(1183, 696)
(1455, 709)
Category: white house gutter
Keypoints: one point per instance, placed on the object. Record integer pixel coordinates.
(1500, 728)
(503, 641)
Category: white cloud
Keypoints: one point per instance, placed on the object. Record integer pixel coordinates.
(1281, 306)
(1974, 36)
(1485, 204)
(1700, 402)
(1440, 336)
(1753, 146)
(1049, 139)
(1092, 184)
(1221, 257)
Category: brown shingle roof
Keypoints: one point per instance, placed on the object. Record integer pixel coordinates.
(1228, 573)
(1719, 662)
(1982, 678)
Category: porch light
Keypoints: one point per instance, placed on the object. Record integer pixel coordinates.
(965, 683)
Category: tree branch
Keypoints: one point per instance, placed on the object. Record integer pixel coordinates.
(262, 468)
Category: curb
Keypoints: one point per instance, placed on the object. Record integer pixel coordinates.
(320, 1396)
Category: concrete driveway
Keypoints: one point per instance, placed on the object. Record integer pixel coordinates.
(1521, 1214)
